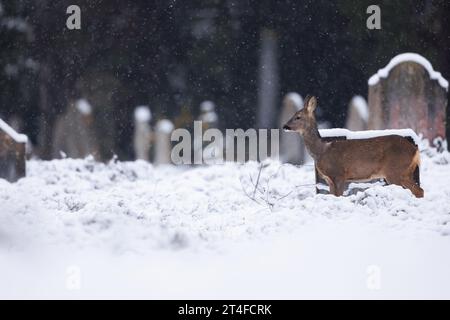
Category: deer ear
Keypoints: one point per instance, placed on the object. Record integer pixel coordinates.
(311, 104)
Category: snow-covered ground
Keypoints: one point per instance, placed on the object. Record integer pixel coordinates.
(81, 229)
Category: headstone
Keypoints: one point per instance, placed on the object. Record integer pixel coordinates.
(12, 153)
(292, 147)
(105, 92)
(17, 123)
(358, 114)
(74, 134)
(163, 144)
(409, 93)
(209, 120)
(142, 137)
(208, 115)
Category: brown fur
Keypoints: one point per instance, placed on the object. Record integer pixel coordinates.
(392, 157)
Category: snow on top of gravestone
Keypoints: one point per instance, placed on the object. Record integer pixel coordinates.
(142, 114)
(207, 106)
(360, 104)
(83, 106)
(409, 57)
(165, 126)
(19, 138)
(209, 117)
(367, 134)
(296, 98)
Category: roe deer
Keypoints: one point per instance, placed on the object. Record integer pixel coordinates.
(391, 157)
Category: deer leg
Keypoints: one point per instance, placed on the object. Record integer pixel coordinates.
(337, 186)
(408, 183)
(340, 186)
(393, 179)
(331, 184)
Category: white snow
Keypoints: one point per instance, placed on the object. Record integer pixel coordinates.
(142, 114)
(165, 126)
(367, 134)
(360, 104)
(296, 98)
(209, 117)
(208, 114)
(207, 106)
(131, 230)
(83, 106)
(19, 138)
(409, 57)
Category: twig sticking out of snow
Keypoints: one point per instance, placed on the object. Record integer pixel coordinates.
(265, 195)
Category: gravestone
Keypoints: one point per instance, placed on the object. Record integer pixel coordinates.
(357, 114)
(12, 153)
(74, 133)
(16, 122)
(163, 144)
(142, 137)
(105, 92)
(409, 93)
(209, 120)
(208, 115)
(292, 147)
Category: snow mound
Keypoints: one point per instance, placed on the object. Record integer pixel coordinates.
(215, 232)
(409, 57)
(133, 206)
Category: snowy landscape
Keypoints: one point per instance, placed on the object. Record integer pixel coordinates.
(224, 149)
(132, 230)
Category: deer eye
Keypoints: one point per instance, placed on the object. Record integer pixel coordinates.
(298, 118)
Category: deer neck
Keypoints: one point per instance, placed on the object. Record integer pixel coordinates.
(314, 143)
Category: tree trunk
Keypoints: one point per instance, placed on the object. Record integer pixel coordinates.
(268, 90)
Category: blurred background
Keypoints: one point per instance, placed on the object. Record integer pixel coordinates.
(173, 55)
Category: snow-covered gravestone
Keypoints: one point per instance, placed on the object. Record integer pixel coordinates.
(209, 120)
(409, 93)
(163, 144)
(208, 115)
(142, 137)
(12, 153)
(358, 114)
(292, 147)
(74, 134)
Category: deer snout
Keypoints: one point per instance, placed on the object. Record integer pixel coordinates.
(287, 128)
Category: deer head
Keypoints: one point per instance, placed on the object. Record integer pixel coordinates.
(303, 120)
